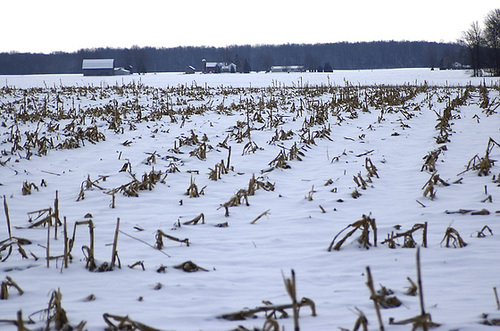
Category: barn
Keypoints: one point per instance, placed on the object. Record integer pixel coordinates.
(209, 67)
(217, 67)
(98, 67)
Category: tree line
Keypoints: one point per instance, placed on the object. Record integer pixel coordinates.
(314, 57)
(483, 44)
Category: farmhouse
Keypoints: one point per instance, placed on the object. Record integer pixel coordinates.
(228, 67)
(217, 67)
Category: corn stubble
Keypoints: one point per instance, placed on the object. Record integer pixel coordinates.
(263, 110)
(271, 311)
(364, 225)
(482, 164)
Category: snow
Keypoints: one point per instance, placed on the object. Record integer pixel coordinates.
(246, 262)
(339, 78)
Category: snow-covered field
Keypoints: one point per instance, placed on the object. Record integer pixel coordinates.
(131, 148)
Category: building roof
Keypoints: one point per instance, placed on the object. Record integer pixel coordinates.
(98, 64)
(287, 68)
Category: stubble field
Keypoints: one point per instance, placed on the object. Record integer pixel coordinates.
(212, 202)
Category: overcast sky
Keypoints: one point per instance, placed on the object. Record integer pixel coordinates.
(67, 25)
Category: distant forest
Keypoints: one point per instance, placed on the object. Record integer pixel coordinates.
(314, 57)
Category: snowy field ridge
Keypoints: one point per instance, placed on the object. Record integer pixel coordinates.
(193, 202)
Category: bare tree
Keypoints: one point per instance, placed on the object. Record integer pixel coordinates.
(492, 36)
(474, 41)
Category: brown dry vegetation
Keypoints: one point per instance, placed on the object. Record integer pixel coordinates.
(38, 121)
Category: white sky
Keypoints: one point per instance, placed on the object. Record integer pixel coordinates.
(67, 25)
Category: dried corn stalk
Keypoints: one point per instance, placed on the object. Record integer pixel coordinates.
(5, 285)
(369, 283)
(195, 220)
(490, 321)
(360, 182)
(235, 200)
(481, 234)
(192, 190)
(430, 160)
(482, 165)
(19, 322)
(412, 289)
(280, 161)
(469, 211)
(124, 323)
(55, 312)
(364, 224)
(220, 168)
(386, 298)
(151, 159)
(295, 153)
(9, 244)
(409, 242)
(424, 320)
(87, 250)
(372, 170)
(159, 239)
(27, 187)
(429, 186)
(255, 184)
(355, 194)
(260, 216)
(250, 147)
(138, 263)
(45, 215)
(309, 196)
(189, 266)
(270, 310)
(452, 237)
(361, 322)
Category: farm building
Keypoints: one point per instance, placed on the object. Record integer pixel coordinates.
(209, 67)
(228, 67)
(121, 72)
(190, 70)
(98, 67)
(102, 67)
(217, 67)
(287, 68)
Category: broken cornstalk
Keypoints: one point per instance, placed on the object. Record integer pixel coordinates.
(115, 243)
(6, 209)
(195, 220)
(424, 320)
(125, 323)
(159, 239)
(452, 236)
(364, 224)
(373, 296)
(260, 216)
(496, 298)
(291, 289)
(270, 310)
(56, 214)
(409, 242)
(4, 291)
